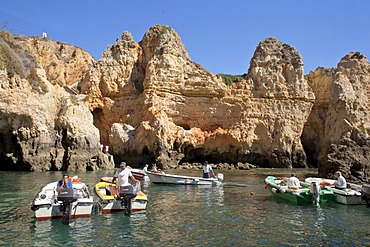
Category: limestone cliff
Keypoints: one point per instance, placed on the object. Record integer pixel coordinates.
(43, 127)
(64, 64)
(337, 131)
(153, 104)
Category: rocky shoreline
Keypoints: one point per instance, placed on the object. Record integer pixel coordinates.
(218, 166)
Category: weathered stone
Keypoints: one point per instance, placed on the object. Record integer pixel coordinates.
(151, 103)
(178, 112)
(42, 127)
(337, 131)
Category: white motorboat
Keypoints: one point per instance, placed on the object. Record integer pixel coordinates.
(349, 196)
(164, 178)
(139, 174)
(75, 202)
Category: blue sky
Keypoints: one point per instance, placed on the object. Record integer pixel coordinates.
(219, 35)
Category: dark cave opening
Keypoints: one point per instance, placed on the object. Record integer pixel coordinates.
(98, 116)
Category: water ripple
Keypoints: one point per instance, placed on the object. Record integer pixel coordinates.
(238, 214)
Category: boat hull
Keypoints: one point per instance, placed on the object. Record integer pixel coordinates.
(116, 206)
(348, 196)
(299, 196)
(365, 190)
(53, 211)
(348, 200)
(162, 178)
(107, 202)
(138, 174)
(46, 205)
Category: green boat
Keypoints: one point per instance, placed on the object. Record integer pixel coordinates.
(299, 196)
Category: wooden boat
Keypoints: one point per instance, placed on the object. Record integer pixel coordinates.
(75, 202)
(164, 178)
(299, 196)
(349, 196)
(109, 200)
(365, 190)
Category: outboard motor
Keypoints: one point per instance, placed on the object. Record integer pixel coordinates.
(126, 194)
(220, 177)
(67, 197)
(365, 191)
(315, 191)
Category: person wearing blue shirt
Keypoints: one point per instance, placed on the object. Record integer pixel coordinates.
(64, 183)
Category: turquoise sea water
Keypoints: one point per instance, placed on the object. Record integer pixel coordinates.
(239, 213)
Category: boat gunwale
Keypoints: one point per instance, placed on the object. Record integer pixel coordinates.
(182, 177)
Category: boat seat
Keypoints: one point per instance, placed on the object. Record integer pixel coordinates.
(113, 190)
(110, 190)
(293, 188)
(103, 191)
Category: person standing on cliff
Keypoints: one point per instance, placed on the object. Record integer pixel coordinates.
(207, 170)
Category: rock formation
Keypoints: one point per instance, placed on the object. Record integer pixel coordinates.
(43, 127)
(337, 131)
(153, 104)
(150, 103)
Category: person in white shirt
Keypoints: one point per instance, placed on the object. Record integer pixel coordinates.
(207, 170)
(293, 182)
(341, 182)
(145, 169)
(122, 176)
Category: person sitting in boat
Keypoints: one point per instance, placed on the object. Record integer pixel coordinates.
(122, 176)
(207, 170)
(341, 182)
(293, 182)
(64, 183)
(154, 168)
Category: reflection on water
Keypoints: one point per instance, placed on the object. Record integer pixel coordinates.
(239, 213)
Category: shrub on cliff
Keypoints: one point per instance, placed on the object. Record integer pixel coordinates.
(228, 79)
(17, 60)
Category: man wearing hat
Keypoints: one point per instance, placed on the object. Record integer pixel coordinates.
(122, 175)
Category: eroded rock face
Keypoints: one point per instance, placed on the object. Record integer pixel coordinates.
(42, 127)
(159, 106)
(337, 130)
(151, 103)
(64, 64)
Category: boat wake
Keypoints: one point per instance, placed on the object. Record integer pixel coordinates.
(234, 184)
